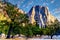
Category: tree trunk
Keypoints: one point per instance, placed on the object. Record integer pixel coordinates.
(9, 31)
(19, 35)
(51, 36)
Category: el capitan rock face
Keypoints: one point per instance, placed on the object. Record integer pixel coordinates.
(41, 15)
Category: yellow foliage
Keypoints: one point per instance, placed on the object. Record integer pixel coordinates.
(2, 17)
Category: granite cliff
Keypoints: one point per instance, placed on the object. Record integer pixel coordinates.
(41, 15)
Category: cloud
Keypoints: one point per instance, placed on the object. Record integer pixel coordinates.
(57, 10)
(52, 1)
(56, 13)
(20, 2)
(44, 4)
(29, 3)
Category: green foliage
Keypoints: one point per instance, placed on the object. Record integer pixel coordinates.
(3, 28)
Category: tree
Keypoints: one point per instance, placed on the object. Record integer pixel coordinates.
(15, 17)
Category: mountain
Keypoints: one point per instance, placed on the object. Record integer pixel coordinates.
(41, 15)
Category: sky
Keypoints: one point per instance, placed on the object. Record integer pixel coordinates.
(53, 5)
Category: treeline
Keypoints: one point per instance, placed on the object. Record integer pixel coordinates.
(30, 30)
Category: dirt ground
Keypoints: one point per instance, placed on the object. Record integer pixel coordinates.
(15, 39)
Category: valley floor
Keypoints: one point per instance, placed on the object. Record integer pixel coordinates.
(36, 38)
